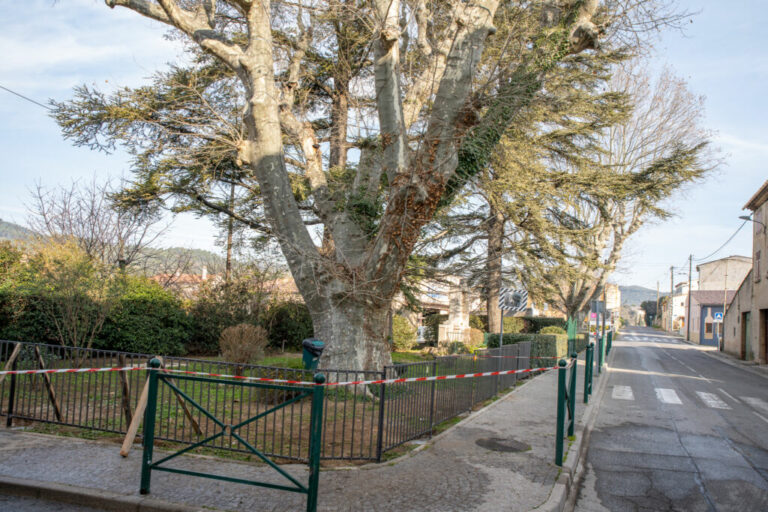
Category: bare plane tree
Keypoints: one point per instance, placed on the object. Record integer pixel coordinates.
(86, 214)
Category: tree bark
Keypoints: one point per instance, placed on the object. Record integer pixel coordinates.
(493, 267)
(355, 335)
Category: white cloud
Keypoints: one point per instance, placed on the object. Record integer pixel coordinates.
(741, 144)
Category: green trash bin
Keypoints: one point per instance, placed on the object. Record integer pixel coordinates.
(313, 349)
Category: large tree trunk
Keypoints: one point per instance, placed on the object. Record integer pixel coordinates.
(355, 334)
(493, 268)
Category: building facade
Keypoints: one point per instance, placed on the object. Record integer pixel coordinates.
(707, 307)
(723, 274)
(746, 320)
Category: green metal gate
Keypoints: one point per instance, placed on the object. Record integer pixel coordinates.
(316, 421)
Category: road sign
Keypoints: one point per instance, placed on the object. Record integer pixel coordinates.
(513, 300)
(718, 317)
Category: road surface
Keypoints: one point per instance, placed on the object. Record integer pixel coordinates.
(676, 430)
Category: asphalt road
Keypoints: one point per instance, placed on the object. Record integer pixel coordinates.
(677, 430)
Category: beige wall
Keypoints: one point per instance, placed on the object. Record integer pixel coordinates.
(724, 274)
(752, 297)
(733, 332)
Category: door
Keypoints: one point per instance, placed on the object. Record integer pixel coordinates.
(708, 328)
(746, 343)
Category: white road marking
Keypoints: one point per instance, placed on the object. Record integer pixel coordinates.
(712, 400)
(622, 393)
(761, 416)
(727, 394)
(756, 403)
(668, 396)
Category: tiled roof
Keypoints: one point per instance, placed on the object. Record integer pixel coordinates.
(712, 297)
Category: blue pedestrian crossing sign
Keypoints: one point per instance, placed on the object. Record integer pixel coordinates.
(718, 317)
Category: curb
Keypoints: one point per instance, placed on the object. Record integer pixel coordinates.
(572, 470)
(94, 498)
(727, 360)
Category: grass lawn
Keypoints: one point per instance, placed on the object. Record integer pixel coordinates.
(410, 356)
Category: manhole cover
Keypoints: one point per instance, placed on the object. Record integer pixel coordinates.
(498, 444)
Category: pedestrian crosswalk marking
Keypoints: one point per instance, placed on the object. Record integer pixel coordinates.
(713, 401)
(668, 396)
(623, 393)
(728, 394)
(756, 403)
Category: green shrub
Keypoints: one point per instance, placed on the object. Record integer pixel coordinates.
(479, 322)
(287, 324)
(492, 339)
(537, 323)
(23, 317)
(220, 305)
(552, 329)
(145, 318)
(456, 347)
(514, 324)
(432, 324)
(403, 333)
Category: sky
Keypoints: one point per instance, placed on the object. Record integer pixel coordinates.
(47, 48)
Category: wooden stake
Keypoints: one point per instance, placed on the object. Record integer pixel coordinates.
(183, 405)
(48, 385)
(10, 361)
(126, 391)
(138, 414)
(130, 436)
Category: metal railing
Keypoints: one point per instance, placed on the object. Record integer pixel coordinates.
(233, 432)
(566, 405)
(359, 422)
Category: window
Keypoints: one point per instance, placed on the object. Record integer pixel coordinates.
(708, 328)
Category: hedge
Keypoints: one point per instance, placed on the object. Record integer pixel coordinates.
(542, 345)
(537, 323)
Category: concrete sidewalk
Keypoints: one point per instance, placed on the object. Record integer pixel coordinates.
(475, 465)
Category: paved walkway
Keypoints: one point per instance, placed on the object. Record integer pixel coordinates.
(472, 466)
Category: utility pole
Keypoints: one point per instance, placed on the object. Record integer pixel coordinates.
(671, 298)
(656, 315)
(688, 317)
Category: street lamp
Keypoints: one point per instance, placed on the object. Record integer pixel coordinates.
(750, 219)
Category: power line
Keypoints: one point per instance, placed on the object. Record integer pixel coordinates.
(26, 98)
(722, 246)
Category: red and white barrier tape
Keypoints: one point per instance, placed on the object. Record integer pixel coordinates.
(74, 370)
(364, 382)
(282, 381)
(522, 357)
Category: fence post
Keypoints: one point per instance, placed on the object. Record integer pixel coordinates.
(315, 441)
(599, 343)
(382, 399)
(602, 352)
(432, 399)
(11, 397)
(560, 413)
(588, 372)
(149, 426)
(572, 392)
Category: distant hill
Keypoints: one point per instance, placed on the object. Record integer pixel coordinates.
(635, 295)
(11, 231)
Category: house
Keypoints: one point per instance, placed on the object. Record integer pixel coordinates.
(721, 277)
(746, 320)
(673, 315)
(707, 307)
(723, 274)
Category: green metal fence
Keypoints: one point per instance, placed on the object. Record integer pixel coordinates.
(233, 431)
(566, 404)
